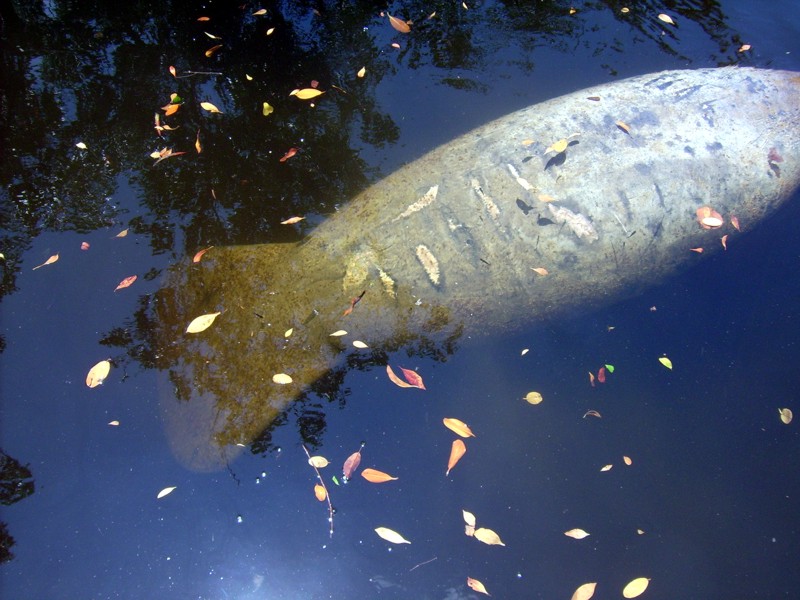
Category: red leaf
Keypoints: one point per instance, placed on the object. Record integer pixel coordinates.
(351, 464)
(601, 375)
(413, 378)
(291, 152)
(125, 282)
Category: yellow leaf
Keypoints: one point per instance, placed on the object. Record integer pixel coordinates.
(665, 361)
(201, 323)
(338, 333)
(260, 11)
(744, 48)
(292, 220)
(391, 536)
(636, 587)
(577, 534)
(399, 24)
(533, 397)
(666, 19)
(469, 518)
(457, 450)
(361, 72)
(81, 145)
(114, 423)
(487, 536)
(458, 427)
(627, 460)
(281, 378)
(166, 492)
(786, 415)
(209, 107)
(197, 145)
(49, 261)
(266, 109)
(270, 31)
(320, 462)
(359, 344)
(288, 332)
(606, 468)
(320, 493)
(98, 373)
(306, 93)
(558, 146)
(545, 198)
(122, 233)
(584, 592)
(375, 476)
(477, 586)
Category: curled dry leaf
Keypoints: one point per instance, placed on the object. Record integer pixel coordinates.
(166, 492)
(577, 534)
(457, 450)
(592, 413)
(391, 536)
(584, 592)
(635, 587)
(623, 126)
(212, 51)
(98, 373)
(281, 378)
(49, 261)
(458, 427)
(533, 398)
(319, 462)
(85, 245)
(375, 476)
(724, 241)
(399, 24)
(126, 282)
(735, 222)
(202, 322)
(200, 253)
(306, 93)
(699, 250)
(786, 415)
(487, 536)
(320, 493)
(289, 154)
(477, 586)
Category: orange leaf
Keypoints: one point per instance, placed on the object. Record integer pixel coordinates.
(414, 378)
(477, 586)
(49, 261)
(724, 240)
(735, 222)
(540, 271)
(395, 379)
(197, 145)
(458, 427)
(374, 476)
(289, 154)
(399, 24)
(698, 250)
(591, 378)
(320, 492)
(170, 109)
(173, 72)
(213, 50)
(458, 450)
(125, 282)
(199, 255)
(709, 218)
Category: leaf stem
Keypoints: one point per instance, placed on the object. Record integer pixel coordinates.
(327, 495)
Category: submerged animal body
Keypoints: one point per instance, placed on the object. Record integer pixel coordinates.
(440, 249)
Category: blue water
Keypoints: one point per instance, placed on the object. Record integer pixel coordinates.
(713, 483)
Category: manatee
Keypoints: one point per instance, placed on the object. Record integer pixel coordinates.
(440, 250)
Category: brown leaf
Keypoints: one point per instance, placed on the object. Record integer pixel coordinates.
(126, 282)
(456, 452)
(414, 378)
(698, 250)
(399, 24)
(459, 427)
(735, 222)
(375, 476)
(200, 253)
(477, 586)
(487, 536)
(395, 379)
(351, 464)
(49, 261)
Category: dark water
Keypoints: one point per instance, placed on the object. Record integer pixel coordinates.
(714, 480)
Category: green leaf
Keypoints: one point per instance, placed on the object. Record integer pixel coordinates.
(610, 368)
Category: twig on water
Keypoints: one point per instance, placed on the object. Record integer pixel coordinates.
(327, 495)
(423, 563)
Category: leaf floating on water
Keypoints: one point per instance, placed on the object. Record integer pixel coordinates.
(665, 361)
(591, 378)
(699, 250)
(359, 344)
(289, 154)
(540, 271)
(361, 72)
(636, 587)
(197, 145)
(399, 24)
(351, 464)
(375, 476)
(605, 468)
(49, 261)
(558, 146)
(213, 50)
(266, 109)
(627, 460)
(202, 322)
(414, 378)
(524, 352)
(786, 415)
(584, 592)
(577, 534)
(592, 413)
(601, 375)
(166, 492)
(609, 368)
(85, 245)
(391, 536)
(735, 222)
(306, 93)
(199, 255)
(744, 48)
(469, 518)
(114, 423)
(477, 586)
(395, 379)
(259, 12)
(128, 281)
(724, 241)
(288, 332)
(209, 107)
(98, 373)
(320, 462)
(533, 398)
(281, 378)
(666, 19)
(623, 126)
(457, 450)
(320, 493)
(487, 536)
(338, 333)
(458, 427)
(709, 218)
